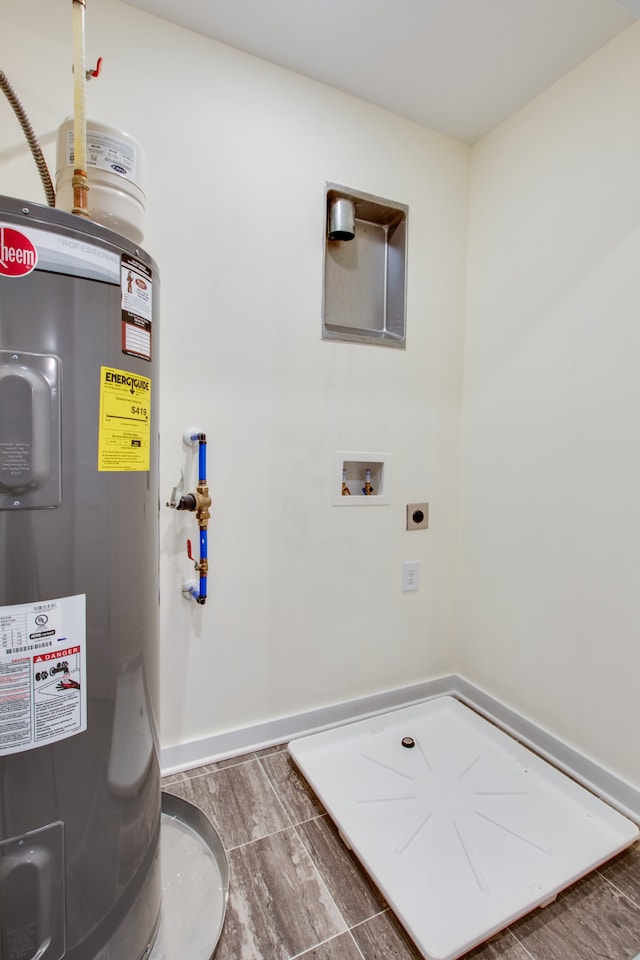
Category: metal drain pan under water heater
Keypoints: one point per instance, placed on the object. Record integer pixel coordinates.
(79, 775)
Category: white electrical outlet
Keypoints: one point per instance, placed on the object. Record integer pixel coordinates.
(410, 575)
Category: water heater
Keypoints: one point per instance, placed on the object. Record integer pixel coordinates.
(79, 775)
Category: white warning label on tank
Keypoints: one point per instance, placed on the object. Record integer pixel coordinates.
(106, 153)
(43, 696)
(136, 283)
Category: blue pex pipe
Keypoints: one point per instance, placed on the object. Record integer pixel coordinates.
(202, 458)
(202, 478)
(203, 556)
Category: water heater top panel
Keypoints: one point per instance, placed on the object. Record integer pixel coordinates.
(82, 232)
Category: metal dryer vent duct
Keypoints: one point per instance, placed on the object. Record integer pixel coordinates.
(342, 219)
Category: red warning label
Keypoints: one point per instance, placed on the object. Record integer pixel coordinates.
(68, 652)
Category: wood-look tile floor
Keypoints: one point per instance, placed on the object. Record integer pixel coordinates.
(297, 892)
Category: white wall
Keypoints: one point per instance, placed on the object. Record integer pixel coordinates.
(305, 607)
(551, 545)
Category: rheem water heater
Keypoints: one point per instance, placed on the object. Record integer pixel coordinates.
(79, 774)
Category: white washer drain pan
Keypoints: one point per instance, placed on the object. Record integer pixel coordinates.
(463, 832)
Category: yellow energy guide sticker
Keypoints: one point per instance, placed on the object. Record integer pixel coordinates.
(125, 420)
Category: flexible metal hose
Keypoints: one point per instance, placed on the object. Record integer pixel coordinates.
(31, 138)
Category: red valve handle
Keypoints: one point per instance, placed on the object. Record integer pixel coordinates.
(96, 71)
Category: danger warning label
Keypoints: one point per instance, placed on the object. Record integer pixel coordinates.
(43, 696)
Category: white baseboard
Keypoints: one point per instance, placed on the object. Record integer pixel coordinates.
(262, 735)
(600, 781)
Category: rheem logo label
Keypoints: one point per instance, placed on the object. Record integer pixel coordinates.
(18, 256)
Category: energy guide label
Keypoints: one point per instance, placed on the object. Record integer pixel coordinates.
(43, 695)
(125, 421)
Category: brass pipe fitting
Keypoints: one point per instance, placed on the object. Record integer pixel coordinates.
(203, 502)
(80, 184)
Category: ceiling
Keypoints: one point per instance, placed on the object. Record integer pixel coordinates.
(457, 66)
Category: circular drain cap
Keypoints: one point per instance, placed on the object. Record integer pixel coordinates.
(408, 742)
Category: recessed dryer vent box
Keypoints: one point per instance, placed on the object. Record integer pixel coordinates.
(365, 276)
(350, 472)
